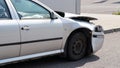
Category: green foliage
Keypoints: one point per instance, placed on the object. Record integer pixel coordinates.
(117, 13)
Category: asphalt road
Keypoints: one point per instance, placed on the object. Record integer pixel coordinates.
(100, 6)
(107, 57)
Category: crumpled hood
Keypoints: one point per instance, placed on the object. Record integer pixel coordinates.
(68, 15)
(76, 16)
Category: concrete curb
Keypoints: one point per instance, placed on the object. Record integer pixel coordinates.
(111, 30)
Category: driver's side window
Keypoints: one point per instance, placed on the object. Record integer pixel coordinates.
(27, 9)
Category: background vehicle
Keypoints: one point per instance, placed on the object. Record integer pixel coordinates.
(29, 29)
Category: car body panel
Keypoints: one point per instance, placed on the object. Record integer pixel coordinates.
(41, 30)
(9, 60)
(9, 34)
(42, 35)
(97, 41)
(72, 25)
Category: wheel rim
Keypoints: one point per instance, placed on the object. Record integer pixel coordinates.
(77, 46)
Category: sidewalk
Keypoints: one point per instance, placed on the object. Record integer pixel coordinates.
(110, 23)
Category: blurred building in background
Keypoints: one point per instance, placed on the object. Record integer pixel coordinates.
(72, 6)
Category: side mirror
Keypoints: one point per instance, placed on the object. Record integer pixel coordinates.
(53, 16)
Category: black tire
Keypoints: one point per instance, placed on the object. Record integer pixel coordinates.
(76, 47)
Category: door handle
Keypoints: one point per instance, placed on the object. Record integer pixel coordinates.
(25, 28)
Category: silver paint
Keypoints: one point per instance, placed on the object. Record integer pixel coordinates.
(10, 32)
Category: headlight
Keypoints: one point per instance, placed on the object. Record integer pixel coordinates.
(98, 28)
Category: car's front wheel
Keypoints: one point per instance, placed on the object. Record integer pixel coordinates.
(76, 46)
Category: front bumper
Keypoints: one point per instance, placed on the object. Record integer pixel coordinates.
(97, 41)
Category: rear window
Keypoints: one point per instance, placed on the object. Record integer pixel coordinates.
(4, 11)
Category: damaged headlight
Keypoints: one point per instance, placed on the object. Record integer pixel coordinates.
(98, 28)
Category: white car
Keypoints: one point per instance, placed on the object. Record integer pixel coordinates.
(29, 29)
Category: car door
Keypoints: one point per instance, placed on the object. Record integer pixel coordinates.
(39, 33)
(9, 33)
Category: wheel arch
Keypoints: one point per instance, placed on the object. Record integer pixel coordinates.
(88, 33)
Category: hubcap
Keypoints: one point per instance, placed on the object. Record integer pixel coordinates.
(77, 47)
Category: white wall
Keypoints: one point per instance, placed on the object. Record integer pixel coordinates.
(72, 6)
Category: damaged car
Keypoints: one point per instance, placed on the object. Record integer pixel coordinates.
(30, 29)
